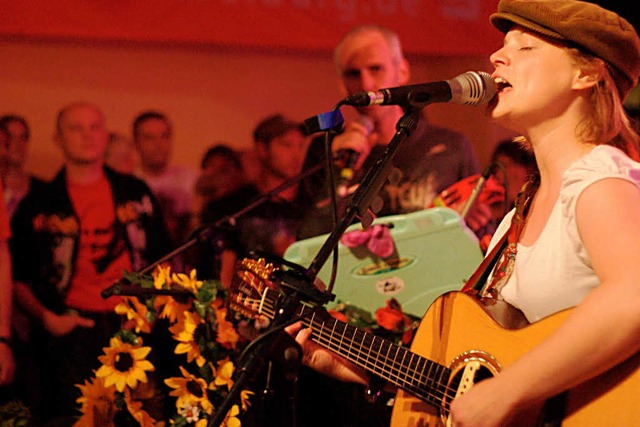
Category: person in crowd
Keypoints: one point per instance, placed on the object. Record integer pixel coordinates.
(369, 58)
(7, 362)
(82, 231)
(221, 173)
(121, 155)
(573, 239)
(513, 164)
(173, 185)
(280, 146)
(17, 181)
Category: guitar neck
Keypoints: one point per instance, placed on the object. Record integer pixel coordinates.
(415, 374)
(429, 381)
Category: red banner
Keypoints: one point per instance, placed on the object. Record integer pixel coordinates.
(425, 26)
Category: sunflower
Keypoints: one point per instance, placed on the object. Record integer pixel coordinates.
(185, 333)
(245, 399)
(203, 335)
(97, 403)
(191, 391)
(231, 420)
(169, 308)
(189, 282)
(136, 311)
(223, 374)
(166, 306)
(227, 334)
(161, 276)
(124, 364)
(135, 409)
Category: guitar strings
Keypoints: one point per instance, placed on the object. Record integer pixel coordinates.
(386, 363)
(439, 393)
(412, 384)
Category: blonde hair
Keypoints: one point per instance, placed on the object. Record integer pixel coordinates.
(607, 121)
(390, 37)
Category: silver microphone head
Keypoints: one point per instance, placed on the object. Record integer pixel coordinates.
(472, 88)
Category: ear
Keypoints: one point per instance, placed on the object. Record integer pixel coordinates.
(404, 71)
(589, 75)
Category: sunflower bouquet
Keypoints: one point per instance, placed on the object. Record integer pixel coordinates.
(124, 390)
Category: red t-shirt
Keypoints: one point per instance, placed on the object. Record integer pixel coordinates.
(102, 254)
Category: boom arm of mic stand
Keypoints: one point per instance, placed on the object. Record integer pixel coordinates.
(369, 188)
(206, 231)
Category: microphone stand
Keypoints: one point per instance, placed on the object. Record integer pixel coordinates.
(477, 189)
(373, 181)
(300, 281)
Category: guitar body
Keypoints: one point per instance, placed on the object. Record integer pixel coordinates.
(457, 332)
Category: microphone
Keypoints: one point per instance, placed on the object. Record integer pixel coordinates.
(471, 88)
(348, 158)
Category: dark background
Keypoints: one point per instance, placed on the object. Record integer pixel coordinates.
(622, 8)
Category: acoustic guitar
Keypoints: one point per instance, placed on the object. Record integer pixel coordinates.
(456, 345)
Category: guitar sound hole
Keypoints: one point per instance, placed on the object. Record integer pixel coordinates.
(470, 368)
(462, 380)
(482, 374)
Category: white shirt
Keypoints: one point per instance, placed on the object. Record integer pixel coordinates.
(555, 272)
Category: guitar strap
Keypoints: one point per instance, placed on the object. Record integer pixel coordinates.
(501, 258)
(478, 279)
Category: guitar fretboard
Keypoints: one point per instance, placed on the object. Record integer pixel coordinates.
(423, 378)
(417, 375)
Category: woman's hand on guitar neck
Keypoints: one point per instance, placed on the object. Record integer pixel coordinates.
(323, 360)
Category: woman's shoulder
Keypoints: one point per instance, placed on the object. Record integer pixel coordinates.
(604, 161)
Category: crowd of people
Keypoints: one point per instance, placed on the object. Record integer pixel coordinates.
(119, 203)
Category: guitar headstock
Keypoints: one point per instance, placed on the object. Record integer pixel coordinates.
(249, 287)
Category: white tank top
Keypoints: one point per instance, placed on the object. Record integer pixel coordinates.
(555, 272)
